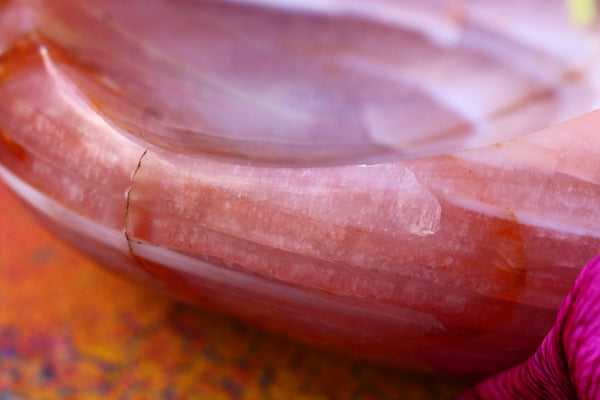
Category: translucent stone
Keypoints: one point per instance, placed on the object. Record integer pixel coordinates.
(361, 175)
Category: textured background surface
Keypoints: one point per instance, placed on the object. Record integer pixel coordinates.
(69, 330)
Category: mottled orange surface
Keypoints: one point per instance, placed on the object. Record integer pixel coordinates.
(70, 330)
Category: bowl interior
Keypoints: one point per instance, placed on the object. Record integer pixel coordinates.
(303, 83)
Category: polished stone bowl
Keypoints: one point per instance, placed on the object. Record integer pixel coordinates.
(359, 175)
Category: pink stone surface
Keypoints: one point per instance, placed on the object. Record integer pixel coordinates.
(359, 177)
(566, 366)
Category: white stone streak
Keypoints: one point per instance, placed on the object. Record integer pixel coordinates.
(249, 283)
(63, 215)
(71, 94)
(424, 220)
(438, 27)
(527, 216)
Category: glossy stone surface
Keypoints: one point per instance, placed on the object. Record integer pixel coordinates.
(566, 364)
(314, 167)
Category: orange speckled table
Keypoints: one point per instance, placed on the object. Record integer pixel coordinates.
(70, 330)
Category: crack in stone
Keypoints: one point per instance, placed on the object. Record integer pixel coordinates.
(127, 207)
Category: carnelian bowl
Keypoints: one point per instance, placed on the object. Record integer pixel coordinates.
(360, 175)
